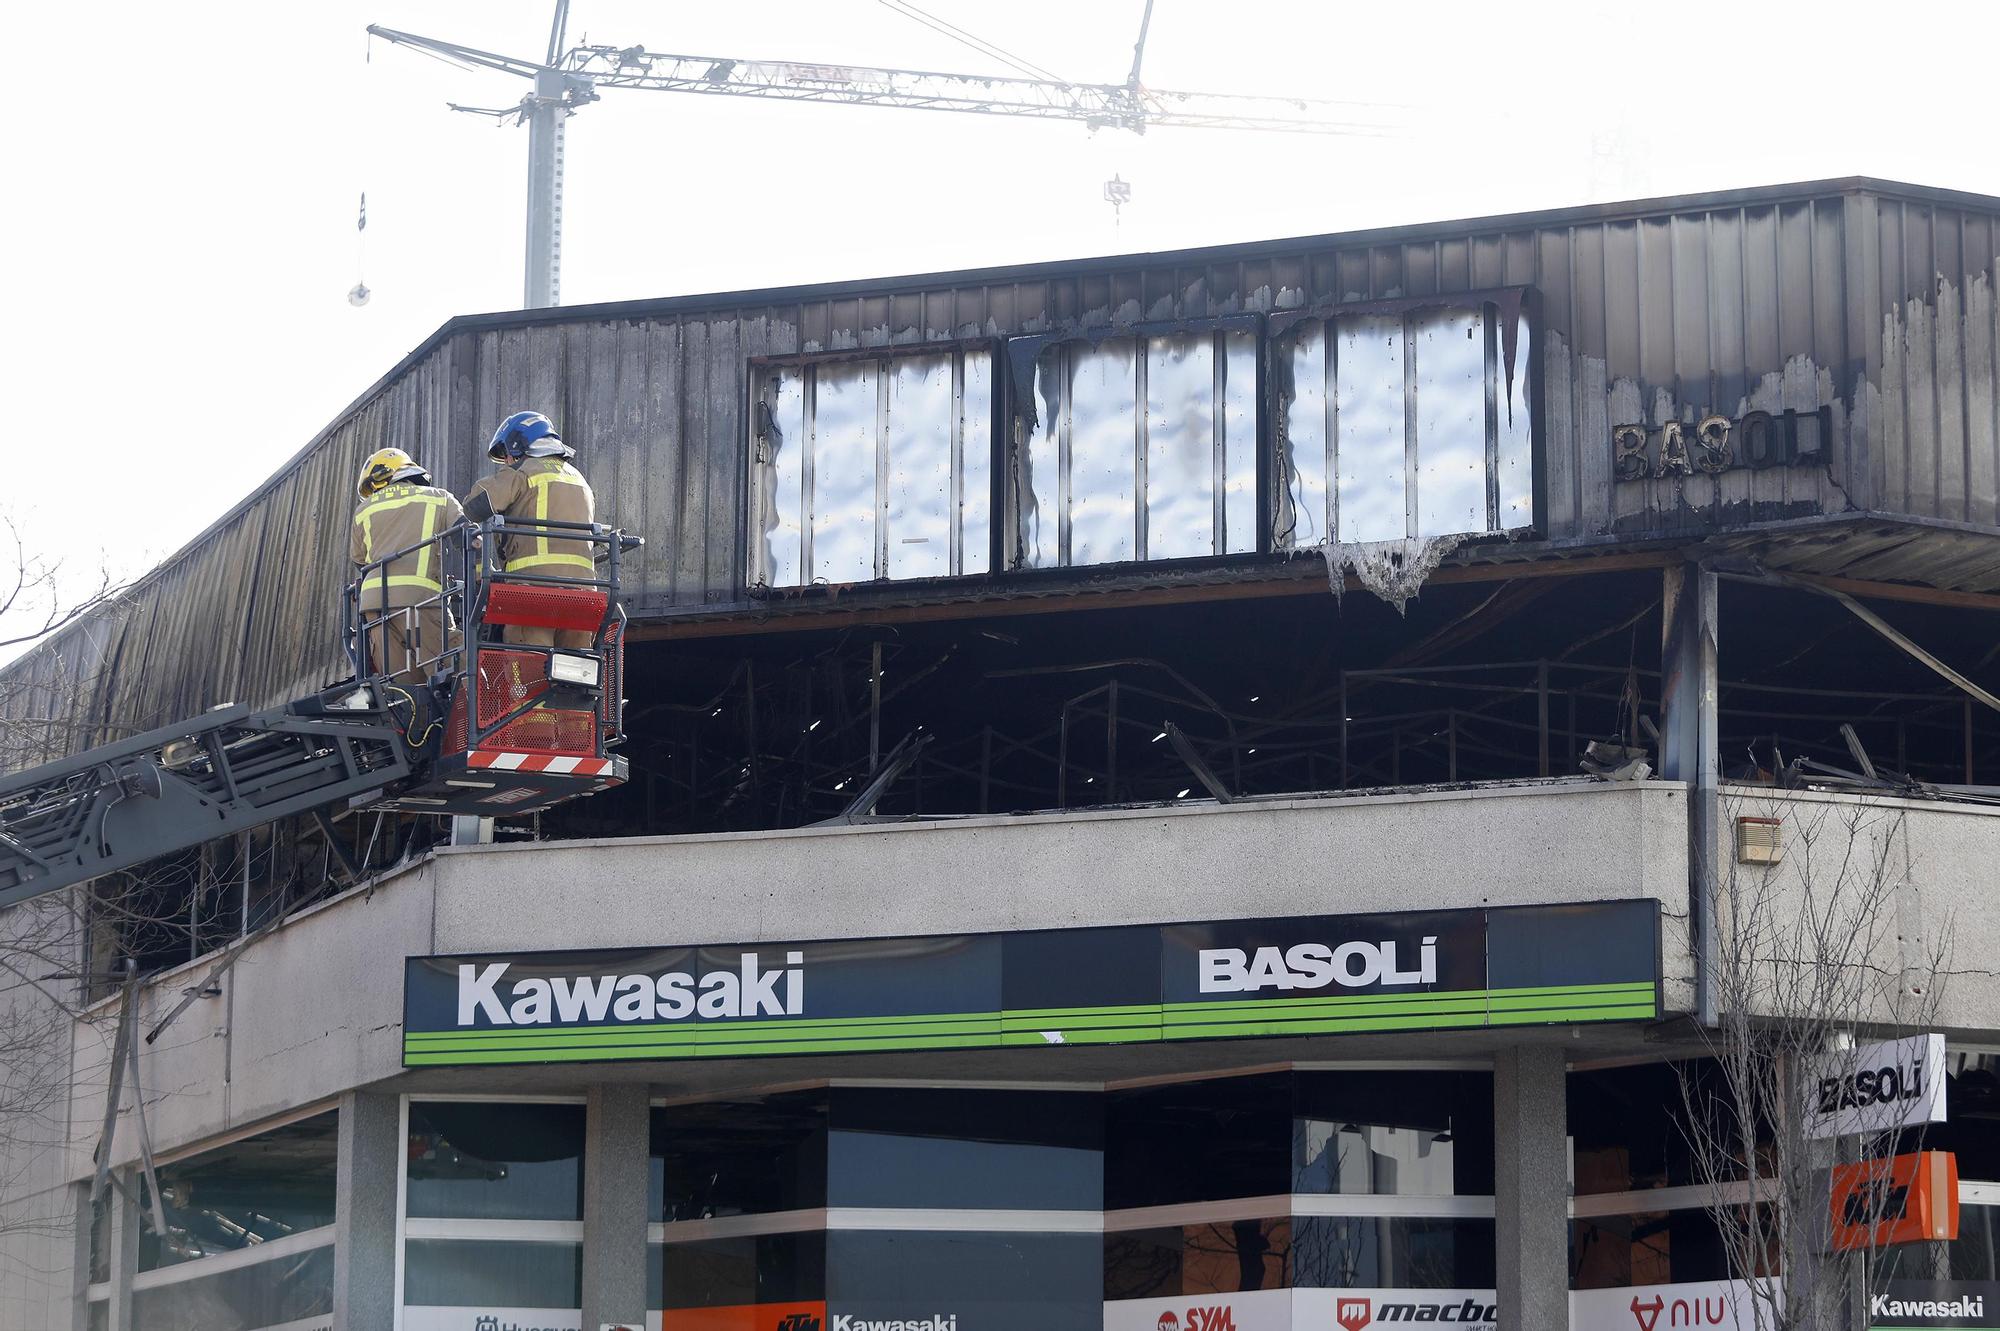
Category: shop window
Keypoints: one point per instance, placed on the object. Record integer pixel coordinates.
(496, 1161)
(1972, 1130)
(872, 468)
(739, 1157)
(479, 1274)
(1653, 1248)
(1412, 1134)
(1051, 1282)
(278, 1292)
(1404, 424)
(267, 1187)
(1139, 448)
(1630, 1129)
(1391, 1252)
(1219, 1257)
(1198, 1141)
(741, 1272)
(493, 1213)
(959, 1149)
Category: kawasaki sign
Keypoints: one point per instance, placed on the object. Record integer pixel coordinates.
(1311, 975)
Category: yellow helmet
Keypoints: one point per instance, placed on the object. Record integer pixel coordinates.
(386, 466)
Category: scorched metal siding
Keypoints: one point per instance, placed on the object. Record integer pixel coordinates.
(1872, 301)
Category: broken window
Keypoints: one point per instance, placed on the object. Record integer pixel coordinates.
(872, 468)
(1139, 448)
(1404, 425)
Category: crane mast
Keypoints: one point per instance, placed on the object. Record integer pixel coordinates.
(567, 79)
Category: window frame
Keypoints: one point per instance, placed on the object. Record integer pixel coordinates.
(1524, 299)
(755, 579)
(1016, 394)
(516, 1231)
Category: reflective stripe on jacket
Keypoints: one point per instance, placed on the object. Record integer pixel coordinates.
(395, 518)
(542, 490)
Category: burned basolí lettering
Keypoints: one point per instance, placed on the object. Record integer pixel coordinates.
(1715, 443)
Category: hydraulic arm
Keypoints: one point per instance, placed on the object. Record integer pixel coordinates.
(223, 772)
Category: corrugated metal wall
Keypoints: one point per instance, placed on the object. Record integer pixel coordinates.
(1939, 335)
(1767, 300)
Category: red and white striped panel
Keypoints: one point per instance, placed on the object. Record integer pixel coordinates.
(539, 762)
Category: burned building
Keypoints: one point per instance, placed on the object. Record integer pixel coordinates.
(1193, 786)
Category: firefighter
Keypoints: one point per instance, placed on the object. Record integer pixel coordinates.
(402, 609)
(536, 483)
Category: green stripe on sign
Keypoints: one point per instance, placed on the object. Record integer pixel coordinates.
(1024, 1027)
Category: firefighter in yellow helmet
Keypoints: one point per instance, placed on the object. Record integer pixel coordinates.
(402, 608)
(536, 483)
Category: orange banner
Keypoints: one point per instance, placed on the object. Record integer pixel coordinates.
(747, 1317)
(1904, 1199)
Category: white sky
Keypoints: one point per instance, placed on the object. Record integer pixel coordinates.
(184, 177)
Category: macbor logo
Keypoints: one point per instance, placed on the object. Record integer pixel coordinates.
(1353, 1314)
(1355, 965)
(750, 990)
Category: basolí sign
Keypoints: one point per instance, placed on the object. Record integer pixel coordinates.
(1309, 975)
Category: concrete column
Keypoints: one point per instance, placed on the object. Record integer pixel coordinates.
(1531, 1188)
(364, 1256)
(124, 1206)
(616, 1166)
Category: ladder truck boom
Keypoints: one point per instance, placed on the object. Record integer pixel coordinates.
(495, 728)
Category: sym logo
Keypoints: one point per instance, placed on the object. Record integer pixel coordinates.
(1353, 1314)
(1168, 1322)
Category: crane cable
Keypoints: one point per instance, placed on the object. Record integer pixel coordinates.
(972, 40)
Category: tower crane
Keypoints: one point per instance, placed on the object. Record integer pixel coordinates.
(569, 78)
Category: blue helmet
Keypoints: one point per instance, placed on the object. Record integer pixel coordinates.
(527, 434)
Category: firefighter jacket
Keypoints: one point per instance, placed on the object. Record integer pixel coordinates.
(541, 490)
(394, 518)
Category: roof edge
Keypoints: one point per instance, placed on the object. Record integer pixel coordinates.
(1572, 214)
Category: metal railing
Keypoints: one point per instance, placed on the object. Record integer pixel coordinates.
(469, 570)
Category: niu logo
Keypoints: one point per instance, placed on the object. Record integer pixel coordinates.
(798, 1322)
(1647, 1314)
(1353, 1314)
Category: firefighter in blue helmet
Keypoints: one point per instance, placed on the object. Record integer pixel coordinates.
(536, 483)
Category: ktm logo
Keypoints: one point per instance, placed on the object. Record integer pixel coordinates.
(1353, 1314)
(798, 1322)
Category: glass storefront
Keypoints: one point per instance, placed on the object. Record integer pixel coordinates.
(248, 1237)
(493, 1215)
